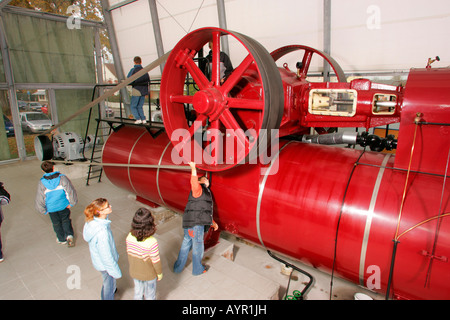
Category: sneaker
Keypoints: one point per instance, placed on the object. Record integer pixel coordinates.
(138, 122)
(144, 121)
(60, 242)
(2, 259)
(70, 241)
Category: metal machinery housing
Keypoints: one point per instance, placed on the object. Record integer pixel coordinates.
(342, 210)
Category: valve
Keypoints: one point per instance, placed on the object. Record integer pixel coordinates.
(374, 142)
(430, 61)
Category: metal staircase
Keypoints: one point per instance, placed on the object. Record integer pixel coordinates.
(104, 127)
(102, 131)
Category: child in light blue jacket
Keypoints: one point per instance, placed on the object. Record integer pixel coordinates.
(97, 232)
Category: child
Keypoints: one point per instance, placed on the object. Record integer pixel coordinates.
(55, 195)
(138, 92)
(143, 255)
(97, 232)
(197, 216)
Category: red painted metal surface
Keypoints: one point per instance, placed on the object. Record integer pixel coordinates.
(426, 92)
(297, 210)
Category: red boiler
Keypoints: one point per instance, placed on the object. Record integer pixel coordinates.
(319, 193)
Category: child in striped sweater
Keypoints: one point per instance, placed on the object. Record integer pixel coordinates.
(143, 255)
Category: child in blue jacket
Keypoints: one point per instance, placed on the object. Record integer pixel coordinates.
(55, 196)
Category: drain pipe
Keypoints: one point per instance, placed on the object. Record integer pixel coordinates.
(287, 264)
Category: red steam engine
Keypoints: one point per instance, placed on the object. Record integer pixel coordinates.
(342, 210)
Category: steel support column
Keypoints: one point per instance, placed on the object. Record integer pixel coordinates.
(326, 37)
(223, 25)
(99, 64)
(52, 105)
(156, 30)
(115, 52)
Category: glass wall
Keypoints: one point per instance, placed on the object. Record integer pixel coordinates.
(68, 102)
(45, 52)
(34, 115)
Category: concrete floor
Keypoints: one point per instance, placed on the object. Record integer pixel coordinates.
(36, 267)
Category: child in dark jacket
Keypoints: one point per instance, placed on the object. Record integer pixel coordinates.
(138, 92)
(143, 255)
(5, 198)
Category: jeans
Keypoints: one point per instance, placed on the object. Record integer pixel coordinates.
(108, 287)
(145, 289)
(136, 106)
(62, 224)
(193, 239)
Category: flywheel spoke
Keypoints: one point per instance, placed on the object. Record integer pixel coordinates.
(306, 61)
(182, 99)
(197, 74)
(189, 134)
(215, 75)
(230, 122)
(236, 75)
(248, 104)
(215, 146)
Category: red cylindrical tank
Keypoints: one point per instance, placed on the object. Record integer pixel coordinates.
(319, 204)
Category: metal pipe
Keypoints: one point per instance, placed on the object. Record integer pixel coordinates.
(287, 264)
(391, 269)
(332, 138)
(124, 165)
(390, 104)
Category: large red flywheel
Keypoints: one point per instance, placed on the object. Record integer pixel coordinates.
(230, 120)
